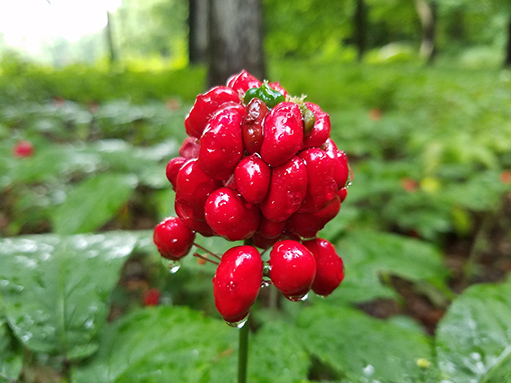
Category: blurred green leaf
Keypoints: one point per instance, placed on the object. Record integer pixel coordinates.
(364, 349)
(11, 360)
(163, 344)
(371, 256)
(93, 203)
(473, 340)
(54, 290)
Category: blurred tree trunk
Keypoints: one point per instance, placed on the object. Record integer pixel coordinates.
(109, 39)
(507, 60)
(427, 12)
(198, 24)
(360, 27)
(235, 39)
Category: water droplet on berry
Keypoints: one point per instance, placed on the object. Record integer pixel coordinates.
(238, 324)
(171, 265)
(298, 298)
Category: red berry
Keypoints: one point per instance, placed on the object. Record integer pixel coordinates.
(252, 177)
(205, 105)
(194, 186)
(229, 216)
(221, 144)
(237, 282)
(173, 239)
(341, 167)
(321, 185)
(173, 168)
(343, 193)
(276, 86)
(288, 187)
(152, 297)
(193, 217)
(307, 225)
(329, 266)
(283, 134)
(252, 128)
(321, 130)
(293, 268)
(271, 229)
(189, 148)
(23, 149)
(263, 242)
(243, 81)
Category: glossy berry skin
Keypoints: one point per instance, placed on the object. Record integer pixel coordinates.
(321, 184)
(283, 134)
(23, 149)
(173, 239)
(189, 148)
(271, 229)
(252, 176)
(321, 130)
(193, 185)
(293, 268)
(221, 144)
(205, 105)
(230, 216)
(242, 82)
(252, 128)
(237, 282)
(307, 225)
(279, 88)
(173, 168)
(329, 266)
(288, 187)
(192, 216)
(341, 167)
(343, 193)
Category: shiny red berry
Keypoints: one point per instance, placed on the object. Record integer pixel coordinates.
(173, 239)
(329, 266)
(192, 215)
(321, 184)
(252, 128)
(292, 268)
(307, 225)
(173, 168)
(276, 86)
(237, 282)
(283, 134)
(205, 105)
(221, 144)
(230, 216)
(321, 130)
(252, 176)
(288, 187)
(243, 81)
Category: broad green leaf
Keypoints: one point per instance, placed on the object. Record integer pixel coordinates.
(93, 203)
(163, 344)
(11, 360)
(364, 349)
(474, 337)
(54, 290)
(370, 256)
(277, 354)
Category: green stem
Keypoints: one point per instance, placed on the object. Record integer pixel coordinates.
(243, 354)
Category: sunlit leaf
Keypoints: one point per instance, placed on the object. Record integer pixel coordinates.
(365, 349)
(371, 256)
(474, 337)
(54, 290)
(10, 359)
(93, 203)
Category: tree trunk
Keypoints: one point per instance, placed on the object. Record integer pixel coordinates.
(507, 60)
(426, 10)
(235, 39)
(198, 24)
(360, 28)
(109, 39)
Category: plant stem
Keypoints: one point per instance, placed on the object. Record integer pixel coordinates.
(243, 353)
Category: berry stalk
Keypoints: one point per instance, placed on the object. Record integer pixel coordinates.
(243, 353)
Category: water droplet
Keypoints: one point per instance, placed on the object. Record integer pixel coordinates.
(171, 265)
(265, 283)
(238, 324)
(298, 298)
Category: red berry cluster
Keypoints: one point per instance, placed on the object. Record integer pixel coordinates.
(258, 166)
